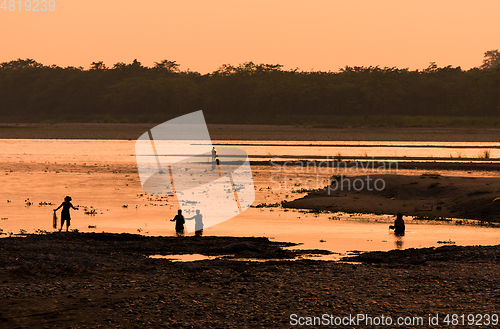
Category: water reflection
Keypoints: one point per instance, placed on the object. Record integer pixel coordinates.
(399, 240)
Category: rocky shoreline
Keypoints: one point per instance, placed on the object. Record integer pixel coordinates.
(97, 280)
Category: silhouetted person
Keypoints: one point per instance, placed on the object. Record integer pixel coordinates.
(198, 223)
(65, 217)
(179, 223)
(214, 158)
(399, 224)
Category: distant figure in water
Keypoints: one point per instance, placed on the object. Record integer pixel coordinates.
(399, 225)
(198, 223)
(214, 158)
(65, 217)
(179, 223)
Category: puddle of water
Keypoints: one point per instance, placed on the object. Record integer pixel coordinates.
(200, 257)
(184, 257)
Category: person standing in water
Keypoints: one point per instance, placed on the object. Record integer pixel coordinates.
(179, 223)
(65, 217)
(198, 223)
(399, 224)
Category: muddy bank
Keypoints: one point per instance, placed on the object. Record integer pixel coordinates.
(469, 254)
(106, 281)
(425, 195)
(39, 249)
(467, 168)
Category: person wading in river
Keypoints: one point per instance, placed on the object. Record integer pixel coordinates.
(179, 223)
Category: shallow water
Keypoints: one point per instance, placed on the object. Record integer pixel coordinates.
(106, 151)
(102, 176)
(286, 150)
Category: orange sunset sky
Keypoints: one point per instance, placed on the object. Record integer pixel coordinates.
(203, 34)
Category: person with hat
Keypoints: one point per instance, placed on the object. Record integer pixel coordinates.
(65, 217)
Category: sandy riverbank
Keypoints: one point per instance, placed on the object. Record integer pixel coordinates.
(425, 195)
(94, 280)
(249, 132)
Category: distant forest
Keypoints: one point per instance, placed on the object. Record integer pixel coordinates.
(252, 94)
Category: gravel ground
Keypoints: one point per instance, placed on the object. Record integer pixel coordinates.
(107, 281)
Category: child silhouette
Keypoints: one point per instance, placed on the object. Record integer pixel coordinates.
(65, 217)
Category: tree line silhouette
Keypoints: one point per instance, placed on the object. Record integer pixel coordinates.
(247, 93)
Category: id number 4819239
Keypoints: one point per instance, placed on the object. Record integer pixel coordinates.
(28, 5)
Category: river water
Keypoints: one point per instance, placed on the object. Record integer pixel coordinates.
(102, 178)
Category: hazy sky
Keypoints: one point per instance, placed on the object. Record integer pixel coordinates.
(203, 34)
